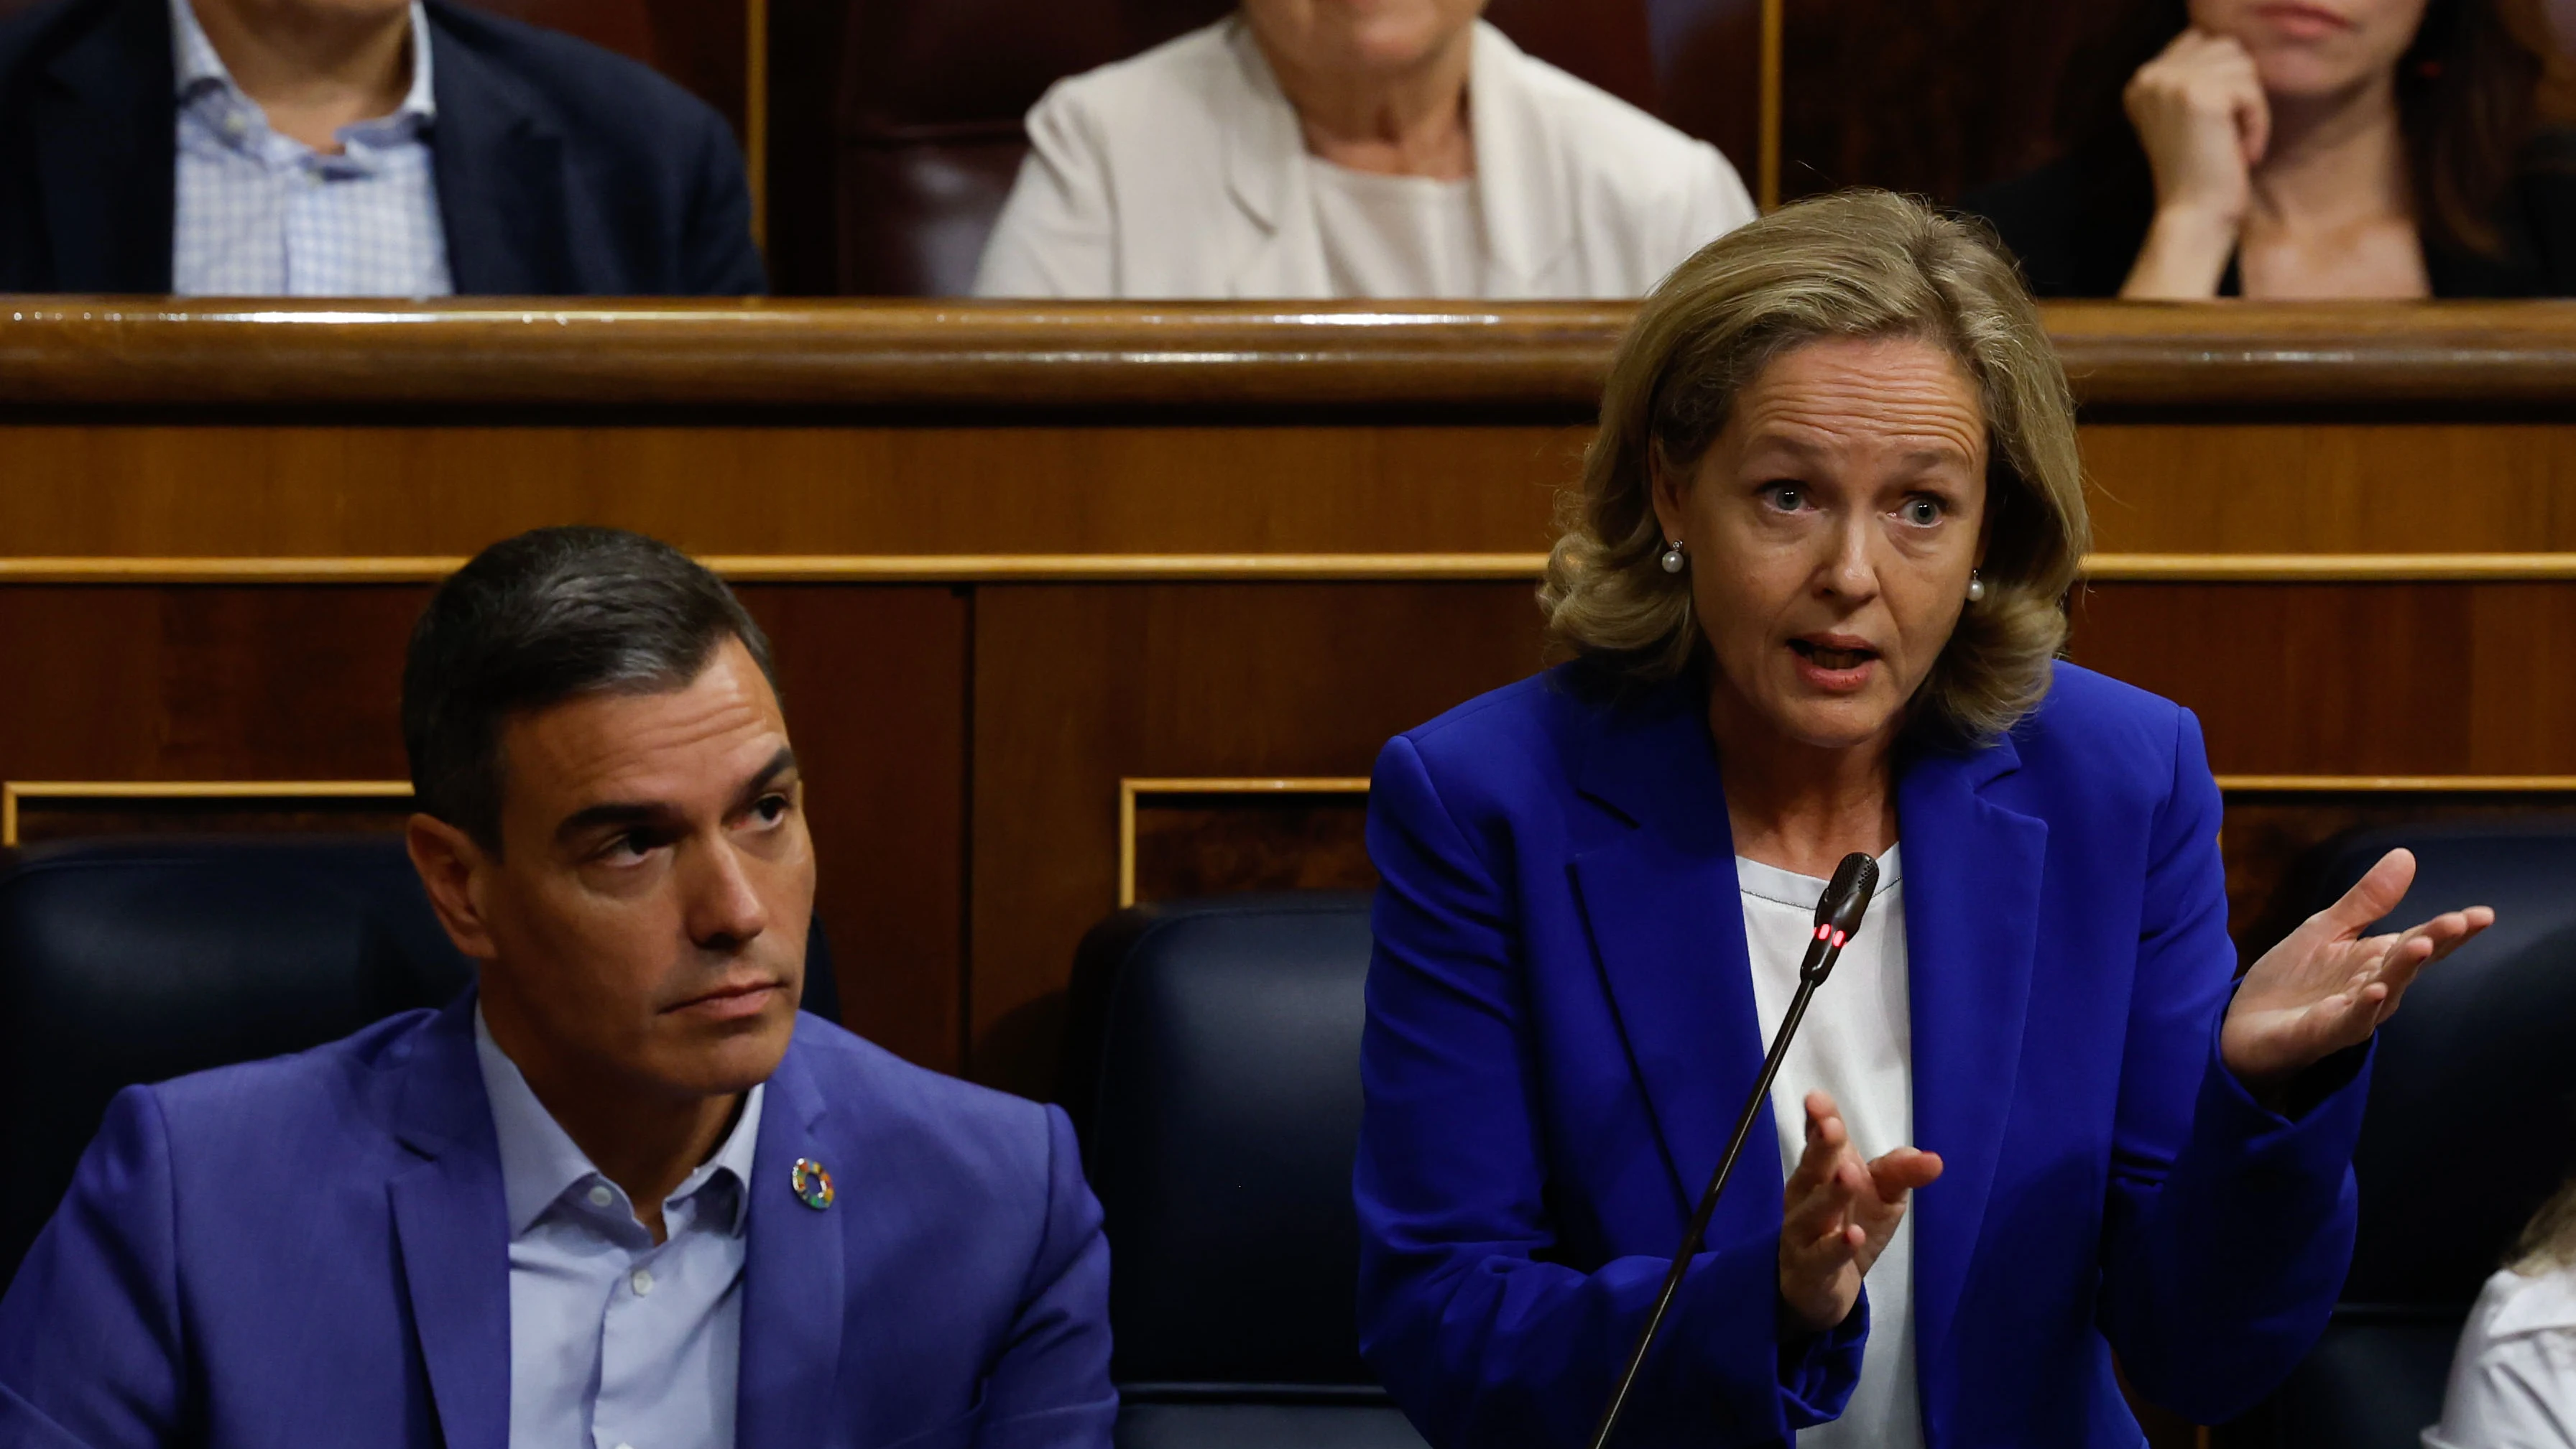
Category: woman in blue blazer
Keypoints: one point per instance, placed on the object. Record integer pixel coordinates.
(1813, 592)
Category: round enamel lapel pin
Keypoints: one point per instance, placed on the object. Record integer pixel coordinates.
(813, 1185)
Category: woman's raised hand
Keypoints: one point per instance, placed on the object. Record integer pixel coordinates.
(2202, 118)
(1838, 1213)
(2327, 987)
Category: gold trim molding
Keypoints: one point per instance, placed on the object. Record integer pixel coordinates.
(14, 791)
(2247, 568)
(1132, 789)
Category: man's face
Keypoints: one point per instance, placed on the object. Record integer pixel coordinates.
(644, 923)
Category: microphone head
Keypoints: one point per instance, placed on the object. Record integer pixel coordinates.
(1845, 901)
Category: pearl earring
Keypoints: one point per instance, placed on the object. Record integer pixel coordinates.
(1672, 556)
(1976, 587)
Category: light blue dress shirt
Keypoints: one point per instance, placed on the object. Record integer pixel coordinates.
(616, 1343)
(263, 215)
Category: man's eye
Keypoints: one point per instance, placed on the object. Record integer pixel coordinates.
(771, 809)
(633, 845)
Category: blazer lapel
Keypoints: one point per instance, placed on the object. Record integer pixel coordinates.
(107, 154)
(1523, 194)
(500, 179)
(452, 1230)
(1972, 890)
(794, 1289)
(1666, 920)
(1265, 177)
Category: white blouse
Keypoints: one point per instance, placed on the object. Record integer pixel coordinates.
(1397, 236)
(2513, 1379)
(1857, 1044)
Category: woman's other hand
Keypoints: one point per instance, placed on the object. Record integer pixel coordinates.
(1837, 1215)
(2202, 118)
(2327, 986)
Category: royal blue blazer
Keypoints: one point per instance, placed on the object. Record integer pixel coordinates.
(314, 1250)
(1561, 1031)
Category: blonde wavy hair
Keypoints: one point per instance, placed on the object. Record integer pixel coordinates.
(1862, 264)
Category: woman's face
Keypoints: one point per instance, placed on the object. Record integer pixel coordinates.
(1830, 531)
(2315, 49)
(1358, 37)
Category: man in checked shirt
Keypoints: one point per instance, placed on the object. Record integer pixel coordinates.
(338, 148)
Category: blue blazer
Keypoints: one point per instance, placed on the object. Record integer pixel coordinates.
(314, 1250)
(563, 170)
(1561, 1030)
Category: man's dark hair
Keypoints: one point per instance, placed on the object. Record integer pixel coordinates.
(539, 619)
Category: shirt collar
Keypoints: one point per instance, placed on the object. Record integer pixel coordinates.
(540, 1162)
(198, 66)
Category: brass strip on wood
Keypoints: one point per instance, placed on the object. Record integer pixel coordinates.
(2250, 568)
(1132, 788)
(14, 791)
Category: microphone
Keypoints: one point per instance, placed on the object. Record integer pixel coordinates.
(1838, 913)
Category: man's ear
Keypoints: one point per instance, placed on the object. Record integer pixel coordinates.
(450, 864)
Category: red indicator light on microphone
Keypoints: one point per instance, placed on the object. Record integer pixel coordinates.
(1822, 930)
(1838, 940)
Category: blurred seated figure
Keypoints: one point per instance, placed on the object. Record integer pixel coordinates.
(2313, 149)
(1319, 148)
(406, 148)
(2513, 1384)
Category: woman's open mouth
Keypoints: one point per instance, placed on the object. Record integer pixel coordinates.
(1834, 665)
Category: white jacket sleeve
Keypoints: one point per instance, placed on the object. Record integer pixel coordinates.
(1057, 233)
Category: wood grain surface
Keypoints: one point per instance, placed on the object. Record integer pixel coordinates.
(1015, 358)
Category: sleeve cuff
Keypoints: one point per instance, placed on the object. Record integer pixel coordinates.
(2328, 1096)
(1819, 1370)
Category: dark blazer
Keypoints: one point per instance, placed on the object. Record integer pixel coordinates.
(315, 1250)
(562, 170)
(1561, 1026)
(2077, 223)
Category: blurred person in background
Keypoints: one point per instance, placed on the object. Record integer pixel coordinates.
(1350, 148)
(2513, 1382)
(2311, 149)
(341, 148)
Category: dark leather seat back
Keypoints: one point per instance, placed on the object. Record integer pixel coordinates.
(2474, 1084)
(1215, 1068)
(137, 961)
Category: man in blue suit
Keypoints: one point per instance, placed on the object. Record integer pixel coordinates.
(353, 148)
(620, 1194)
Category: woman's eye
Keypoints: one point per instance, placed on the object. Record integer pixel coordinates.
(1786, 497)
(1923, 511)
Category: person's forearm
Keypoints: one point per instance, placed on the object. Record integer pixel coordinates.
(2185, 256)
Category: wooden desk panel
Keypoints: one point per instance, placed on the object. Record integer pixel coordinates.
(289, 489)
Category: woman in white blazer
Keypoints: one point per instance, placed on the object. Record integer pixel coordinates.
(1423, 155)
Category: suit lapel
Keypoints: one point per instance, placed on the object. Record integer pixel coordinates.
(452, 1230)
(1972, 890)
(794, 1287)
(1265, 177)
(500, 178)
(1523, 194)
(107, 154)
(1666, 920)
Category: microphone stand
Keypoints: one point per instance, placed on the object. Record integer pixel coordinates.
(1821, 954)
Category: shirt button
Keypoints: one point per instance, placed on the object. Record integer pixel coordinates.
(643, 1281)
(600, 1196)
